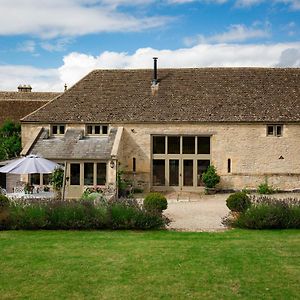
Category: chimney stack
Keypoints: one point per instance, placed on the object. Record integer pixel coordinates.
(24, 88)
(154, 81)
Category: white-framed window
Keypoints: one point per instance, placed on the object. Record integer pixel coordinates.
(58, 129)
(275, 130)
(96, 129)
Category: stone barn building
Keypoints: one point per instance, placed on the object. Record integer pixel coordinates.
(164, 130)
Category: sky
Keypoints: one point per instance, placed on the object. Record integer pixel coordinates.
(47, 43)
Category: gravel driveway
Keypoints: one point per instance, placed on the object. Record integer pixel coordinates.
(196, 212)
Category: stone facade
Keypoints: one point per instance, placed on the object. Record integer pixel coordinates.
(255, 156)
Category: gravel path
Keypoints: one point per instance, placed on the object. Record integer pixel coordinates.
(196, 212)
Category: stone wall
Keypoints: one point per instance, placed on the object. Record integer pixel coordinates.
(254, 156)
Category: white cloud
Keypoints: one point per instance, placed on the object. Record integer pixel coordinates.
(56, 45)
(50, 19)
(76, 65)
(235, 33)
(40, 79)
(27, 46)
(293, 4)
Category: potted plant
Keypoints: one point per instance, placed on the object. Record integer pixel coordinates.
(210, 179)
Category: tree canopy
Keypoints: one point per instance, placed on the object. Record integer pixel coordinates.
(10, 140)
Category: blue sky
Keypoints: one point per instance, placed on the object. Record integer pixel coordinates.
(46, 43)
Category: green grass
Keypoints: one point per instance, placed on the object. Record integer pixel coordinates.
(236, 264)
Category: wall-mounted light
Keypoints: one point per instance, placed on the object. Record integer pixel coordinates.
(112, 164)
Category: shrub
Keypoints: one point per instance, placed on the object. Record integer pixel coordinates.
(155, 202)
(82, 214)
(265, 189)
(266, 213)
(4, 202)
(210, 177)
(238, 202)
(57, 179)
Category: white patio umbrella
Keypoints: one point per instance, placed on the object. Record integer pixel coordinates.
(30, 164)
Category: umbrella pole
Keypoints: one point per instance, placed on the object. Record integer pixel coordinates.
(64, 182)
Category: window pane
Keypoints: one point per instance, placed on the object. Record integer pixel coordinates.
(54, 129)
(173, 144)
(159, 146)
(279, 130)
(203, 145)
(174, 172)
(202, 166)
(35, 179)
(97, 129)
(101, 173)
(75, 174)
(158, 172)
(188, 145)
(270, 130)
(46, 179)
(88, 173)
(62, 129)
(89, 129)
(188, 172)
(104, 129)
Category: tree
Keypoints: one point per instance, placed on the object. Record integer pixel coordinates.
(10, 140)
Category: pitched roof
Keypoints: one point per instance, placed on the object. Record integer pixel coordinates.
(74, 146)
(200, 95)
(16, 105)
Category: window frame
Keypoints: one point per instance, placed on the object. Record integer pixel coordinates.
(59, 132)
(275, 130)
(94, 126)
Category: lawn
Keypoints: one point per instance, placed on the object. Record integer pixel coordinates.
(236, 264)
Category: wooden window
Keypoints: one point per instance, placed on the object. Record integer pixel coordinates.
(75, 174)
(88, 173)
(203, 145)
(173, 144)
(274, 130)
(159, 145)
(101, 173)
(188, 146)
(58, 129)
(158, 172)
(96, 129)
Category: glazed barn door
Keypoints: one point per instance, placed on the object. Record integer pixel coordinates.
(188, 172)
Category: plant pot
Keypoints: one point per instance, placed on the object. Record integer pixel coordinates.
(210, 191)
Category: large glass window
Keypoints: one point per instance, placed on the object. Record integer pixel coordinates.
(75, 174)
(35, 179)
(173, 144)
(202, 165)
(101, 173)
(158, 172)
(88, 173)
(159, 145)
(46, 179)
(188, 171)
(174, 172)
(188, 145)
(203, 145)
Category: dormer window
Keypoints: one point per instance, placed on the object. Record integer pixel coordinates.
(58, 129)
(96, 129)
